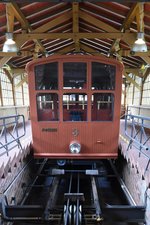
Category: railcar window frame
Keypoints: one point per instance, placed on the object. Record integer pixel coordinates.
(75, 83)
(75, 107)
(104, 107)
(43, 79)
(50, 111)
(103, 76)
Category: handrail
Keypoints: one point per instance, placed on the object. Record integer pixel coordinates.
(12, 128)
(135, 130)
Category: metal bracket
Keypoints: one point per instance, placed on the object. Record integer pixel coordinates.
(74, 196)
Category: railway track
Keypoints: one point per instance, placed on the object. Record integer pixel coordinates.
(92, 193)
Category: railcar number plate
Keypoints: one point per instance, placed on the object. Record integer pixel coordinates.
(49, 129)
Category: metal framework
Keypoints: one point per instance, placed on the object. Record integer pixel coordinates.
(135, 129)
(74, 209)
(12, 128)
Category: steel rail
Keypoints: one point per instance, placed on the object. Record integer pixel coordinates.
(122, 185)
(35, 179)
(68, 202)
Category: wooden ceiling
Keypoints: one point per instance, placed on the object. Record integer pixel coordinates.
(89, 27)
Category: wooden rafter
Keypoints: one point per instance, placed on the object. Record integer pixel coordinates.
(146, 58)
(140, 17)
(107, 28)
(89, 49)
(1, 96)
(140, 26)
(141, 54)
(134, 71)
(24, 80)
(43, 28)
(24, 23)
(53, 23)
(19, 15)
(146, 74)
(126, 25)
(4, 60)
(132, 81)
(131, 16)
(10, 28)
(66, 49)
(17, 71)
(13, 7)
(10, 18)
(9, 75)
(107, 31)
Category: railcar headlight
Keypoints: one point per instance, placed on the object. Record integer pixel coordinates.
(75, 147)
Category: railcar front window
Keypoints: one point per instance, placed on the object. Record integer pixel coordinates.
(46, 76)
(102, 107)
(74, 75)
(103, 76)
(47, 107)
(74, 107)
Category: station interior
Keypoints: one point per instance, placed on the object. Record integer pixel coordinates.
(44, 29)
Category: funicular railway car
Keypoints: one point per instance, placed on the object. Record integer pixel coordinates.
(75, 103)
(75, 115)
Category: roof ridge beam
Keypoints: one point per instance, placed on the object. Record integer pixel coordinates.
(75, 15)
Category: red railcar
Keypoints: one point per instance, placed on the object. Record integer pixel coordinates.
(75, 106)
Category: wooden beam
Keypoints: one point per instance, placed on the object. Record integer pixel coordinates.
(1, 96)
(89, 49)
(13, 92)
(24, 80)
(17, 71)
(20, 16)
(131, 16)
(103, 35)
(65, 50)
(96, 22)
(141, 54)
(53, 23)
(43, 28)
(123, 92)
(146, 74)
(4, 60)
(9, 75)
(107, 28)
(135, 71)
(146, 58)
(140, 27)
(126, 24)
(16, 54)
(132, 81)
(10, 28)
(75, 12)
(10, 18)
(24, 23)
(140, 17)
